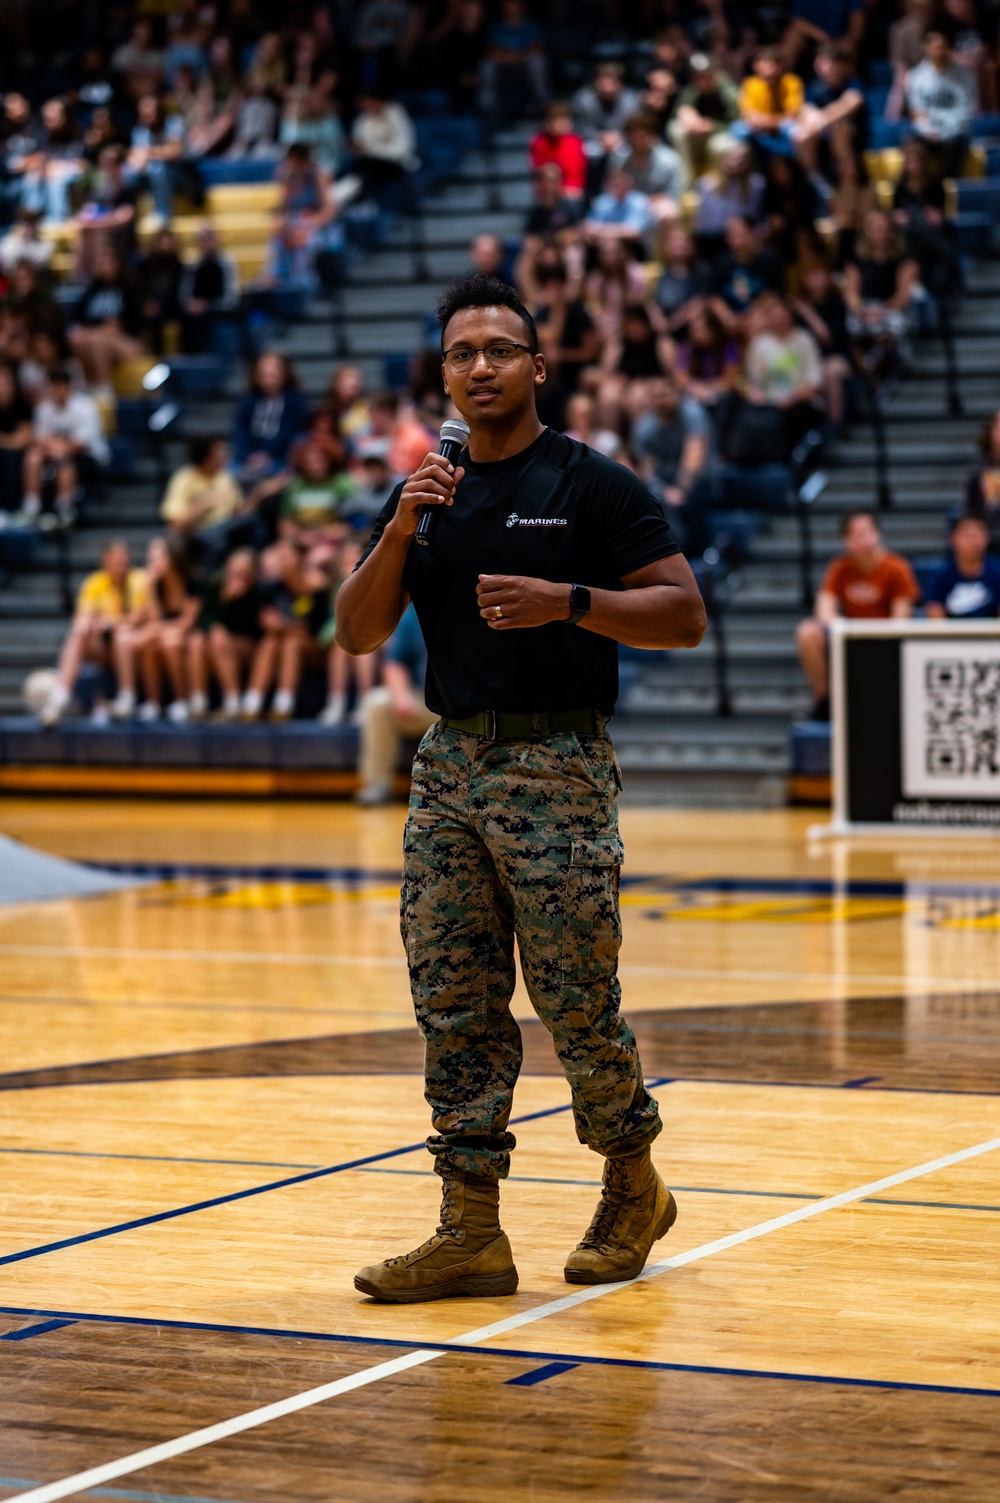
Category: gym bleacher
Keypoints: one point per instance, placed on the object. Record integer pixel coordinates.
(723, 711)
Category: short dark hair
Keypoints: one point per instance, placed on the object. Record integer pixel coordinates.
(852, 516)
(60, 377)
(480, 291)
(200, 447)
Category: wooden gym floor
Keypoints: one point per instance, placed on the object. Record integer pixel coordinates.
(212, 1115)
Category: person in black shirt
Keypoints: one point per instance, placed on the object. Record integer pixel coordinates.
(546, 555)
(15, 436)
(107, 321)
(227, 633)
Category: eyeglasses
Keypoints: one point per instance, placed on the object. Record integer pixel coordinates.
(501, 352)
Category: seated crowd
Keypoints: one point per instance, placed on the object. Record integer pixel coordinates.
(712, 273)
(233, 607)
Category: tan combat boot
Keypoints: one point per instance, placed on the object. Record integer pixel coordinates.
(468, 1255)
(636, 1209)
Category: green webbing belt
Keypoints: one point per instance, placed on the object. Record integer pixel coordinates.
(495, 725)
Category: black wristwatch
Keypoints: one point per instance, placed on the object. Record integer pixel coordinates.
(579, 604)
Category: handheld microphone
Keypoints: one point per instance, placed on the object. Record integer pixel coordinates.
(454, 437)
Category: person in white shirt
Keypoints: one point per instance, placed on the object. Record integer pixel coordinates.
(384, 142)
(784, 366)
(69, 445)
(941, 100)
(22, 242)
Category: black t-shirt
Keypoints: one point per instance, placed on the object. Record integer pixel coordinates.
(14, 414)
(556, 511)
(550, 220)
(240, 615)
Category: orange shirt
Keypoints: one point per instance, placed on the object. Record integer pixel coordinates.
(870, 595)
(784, 98)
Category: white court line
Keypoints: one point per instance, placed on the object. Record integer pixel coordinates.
(96, 1476)
(677, 973)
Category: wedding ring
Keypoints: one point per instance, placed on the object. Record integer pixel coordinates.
(498, 612)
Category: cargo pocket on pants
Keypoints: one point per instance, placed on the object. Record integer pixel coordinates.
(592, 931)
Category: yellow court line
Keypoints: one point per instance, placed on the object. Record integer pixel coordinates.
(154, 1455)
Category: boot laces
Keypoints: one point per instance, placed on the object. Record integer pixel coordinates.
(613, 1193)
(444, 1229)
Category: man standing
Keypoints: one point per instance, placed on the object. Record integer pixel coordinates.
(546, 555)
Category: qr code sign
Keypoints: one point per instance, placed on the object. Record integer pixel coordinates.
(951, 718)
(962, 717)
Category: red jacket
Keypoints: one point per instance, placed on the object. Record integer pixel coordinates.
(568, 154)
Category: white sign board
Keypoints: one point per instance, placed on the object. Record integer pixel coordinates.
(951, 719)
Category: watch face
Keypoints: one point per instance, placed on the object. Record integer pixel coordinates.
(579, 599)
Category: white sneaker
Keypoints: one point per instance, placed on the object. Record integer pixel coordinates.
(251, 704)
(55, 706)
(231, 707)
(148, 712)
(333, 712)
(100, 714)
(123, 704)
(198, 706)
(374, 793)
(283, 704)
(178, 712)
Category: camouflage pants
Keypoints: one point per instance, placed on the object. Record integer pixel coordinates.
(505, 839)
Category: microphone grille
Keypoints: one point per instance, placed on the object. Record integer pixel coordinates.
(454, 429)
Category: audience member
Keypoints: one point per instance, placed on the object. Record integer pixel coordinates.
(15, 436)
(744, 270)
(158, 283)
(656, 170)
(269, 419)
(784, 368)
(314, 498)
(202, 499)
(553, 215)
(227, 634)
(67, 447)
(515, 58)
(734, 188)
(383, 141)
(393, 710)
(209, 292)
(865, 581)
(822, 310)
(557, 145)
(153, 645)
(621, 211)
(770, 103)
(296, 606)
(705, 110)
(941, 99)
(105, 598)
(672, 442)
(879, 283)
(982, 489)
(107, 322)
(707, 360)
(968, 585)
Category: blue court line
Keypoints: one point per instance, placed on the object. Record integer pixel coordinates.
(862, 1080)
(793, 886)
(27, 1332)
(155, 1158)
(541, 1374)
(595, 1184)
(123, 1494)
(336, 1339)
(220, 1200)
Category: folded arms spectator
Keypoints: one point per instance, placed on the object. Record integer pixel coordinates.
(941, 100)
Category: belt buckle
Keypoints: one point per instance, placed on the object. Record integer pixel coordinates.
(492, 723)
